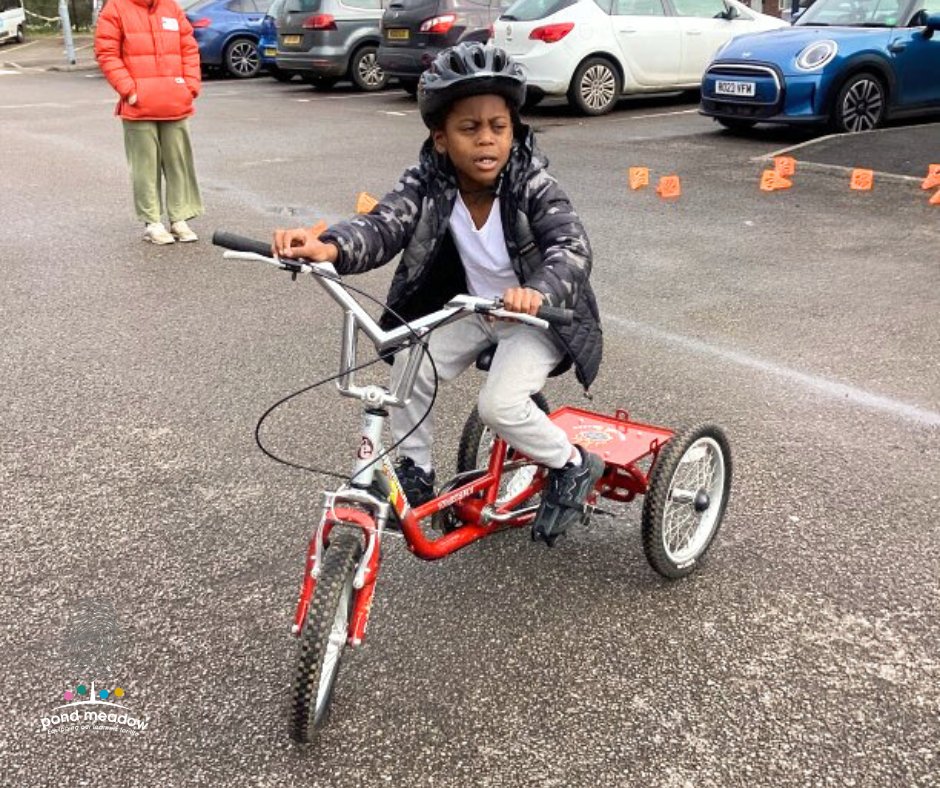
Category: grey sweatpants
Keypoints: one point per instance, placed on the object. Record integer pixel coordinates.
(520, 367)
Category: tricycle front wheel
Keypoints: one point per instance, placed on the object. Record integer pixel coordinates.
(688, 492)
(324, 636)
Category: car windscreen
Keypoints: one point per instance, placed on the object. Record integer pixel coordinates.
(194, 5)
(299, 7)
(530, 10)
(855, 13)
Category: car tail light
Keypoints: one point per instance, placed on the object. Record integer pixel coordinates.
(204, 22)
(551, 33)
(438, 24)
(319, 22)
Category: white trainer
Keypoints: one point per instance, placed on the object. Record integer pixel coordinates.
(156, 233)
(183, 232)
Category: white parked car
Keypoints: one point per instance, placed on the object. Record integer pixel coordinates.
(594, 51)
(12, 21)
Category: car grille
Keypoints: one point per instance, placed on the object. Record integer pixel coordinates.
(768, 92)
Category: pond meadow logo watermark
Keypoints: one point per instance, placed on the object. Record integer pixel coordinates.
(91, 710)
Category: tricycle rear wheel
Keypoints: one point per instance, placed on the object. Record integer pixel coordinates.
(688, 493)
(473, 454)
(324, 636)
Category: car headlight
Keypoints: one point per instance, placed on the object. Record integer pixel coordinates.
(816, 55)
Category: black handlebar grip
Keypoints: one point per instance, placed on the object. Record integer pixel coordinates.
(556, 315)
(239, 243)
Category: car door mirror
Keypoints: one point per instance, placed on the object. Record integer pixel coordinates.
(730, 13)
(932, 23)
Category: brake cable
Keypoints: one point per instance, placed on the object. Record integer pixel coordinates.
(419, 339)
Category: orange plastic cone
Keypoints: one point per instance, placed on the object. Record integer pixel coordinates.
(935, 200)
(669, 187)
(639, 177)
(933, 177)
(365, 202)
(771, 181)
(785, 166)
(862, 180)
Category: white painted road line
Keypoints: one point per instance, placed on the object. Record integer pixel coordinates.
(831, 388)
(18, 47)
(663, 114)
(55, 104)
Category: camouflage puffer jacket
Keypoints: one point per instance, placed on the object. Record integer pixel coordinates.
(547, 245)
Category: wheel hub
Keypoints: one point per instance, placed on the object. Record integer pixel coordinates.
(701, 501)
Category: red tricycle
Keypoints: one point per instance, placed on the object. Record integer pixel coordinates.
(685, 476)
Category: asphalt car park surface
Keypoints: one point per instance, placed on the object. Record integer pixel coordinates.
(803, 652)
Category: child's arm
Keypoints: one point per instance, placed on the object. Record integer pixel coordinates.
(365, 241)
(566, 251)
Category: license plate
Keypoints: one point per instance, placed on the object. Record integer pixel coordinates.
(270, 51)
(734, 88)
(291, 40)
(397, 34)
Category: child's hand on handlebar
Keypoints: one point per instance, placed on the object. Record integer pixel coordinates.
(522, 299)
(303, 242)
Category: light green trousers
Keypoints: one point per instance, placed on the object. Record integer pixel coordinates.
(157, 151)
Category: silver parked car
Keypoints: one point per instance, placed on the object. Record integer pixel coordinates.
(327, 40)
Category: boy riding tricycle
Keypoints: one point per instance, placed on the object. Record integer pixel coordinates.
(494, 270)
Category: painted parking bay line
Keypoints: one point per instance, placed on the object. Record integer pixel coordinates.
(831, 388)
(663, 114)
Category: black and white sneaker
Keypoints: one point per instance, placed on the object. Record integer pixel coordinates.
(563, 500)
(417, 483)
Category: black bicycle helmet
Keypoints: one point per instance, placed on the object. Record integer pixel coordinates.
(468, 69)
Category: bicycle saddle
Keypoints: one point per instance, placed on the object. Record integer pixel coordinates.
(485, 359)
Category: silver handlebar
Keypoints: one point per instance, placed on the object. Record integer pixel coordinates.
(357, 319)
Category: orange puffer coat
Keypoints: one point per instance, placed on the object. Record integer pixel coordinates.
(147, 47)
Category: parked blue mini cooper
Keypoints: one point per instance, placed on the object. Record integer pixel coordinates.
(847, 64)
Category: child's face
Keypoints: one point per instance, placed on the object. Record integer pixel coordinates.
(477, 136)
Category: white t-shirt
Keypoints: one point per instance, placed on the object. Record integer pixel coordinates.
(483, 252)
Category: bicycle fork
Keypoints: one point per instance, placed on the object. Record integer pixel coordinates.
(353, 507)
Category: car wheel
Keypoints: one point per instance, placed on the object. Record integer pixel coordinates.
(365, 71)
(736, 124)
(410, 86)
(242, 59)
(20, 35)
(595, 87)
(859, 105)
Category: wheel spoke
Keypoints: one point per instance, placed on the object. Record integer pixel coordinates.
(863, 106)
(597, 87)
(685, 530)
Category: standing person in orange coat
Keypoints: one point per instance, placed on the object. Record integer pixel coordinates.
(147, 51)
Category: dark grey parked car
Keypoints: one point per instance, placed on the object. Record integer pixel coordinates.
(327, 40)
(414, 31)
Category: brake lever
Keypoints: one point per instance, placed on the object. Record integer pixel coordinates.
(520, 317)
(294, 267)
